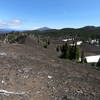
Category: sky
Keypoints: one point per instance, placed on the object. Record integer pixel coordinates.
(32, 14)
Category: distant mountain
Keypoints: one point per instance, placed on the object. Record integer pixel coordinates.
(90, 27)
(43, 29)
(83, 32)
(2, 31)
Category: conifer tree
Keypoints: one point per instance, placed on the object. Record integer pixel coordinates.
(70, 52)
(77, 53)
(98, 63)
(64, 51)
(82, 57)
(57, 48)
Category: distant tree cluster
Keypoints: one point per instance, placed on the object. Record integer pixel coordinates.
(46, 43)
(70, 52)
(15, 37)
(83, 33)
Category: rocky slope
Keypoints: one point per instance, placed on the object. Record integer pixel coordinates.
(34, 73)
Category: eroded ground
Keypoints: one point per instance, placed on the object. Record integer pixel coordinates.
(34, 73)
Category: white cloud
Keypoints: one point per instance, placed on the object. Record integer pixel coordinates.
(8, 24)
(15, 24)
(25, 28)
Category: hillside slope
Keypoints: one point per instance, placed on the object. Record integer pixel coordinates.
(33, 73)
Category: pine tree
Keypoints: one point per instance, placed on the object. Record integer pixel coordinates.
(70, 52)
(64, 51)
(77, 54)
(57, 48)
(82, 57)
(74, 53)
(98, 63)
(48, 42)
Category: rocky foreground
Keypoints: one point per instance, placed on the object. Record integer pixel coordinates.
(34, 73)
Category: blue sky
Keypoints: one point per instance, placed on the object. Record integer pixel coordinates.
(31, 14)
